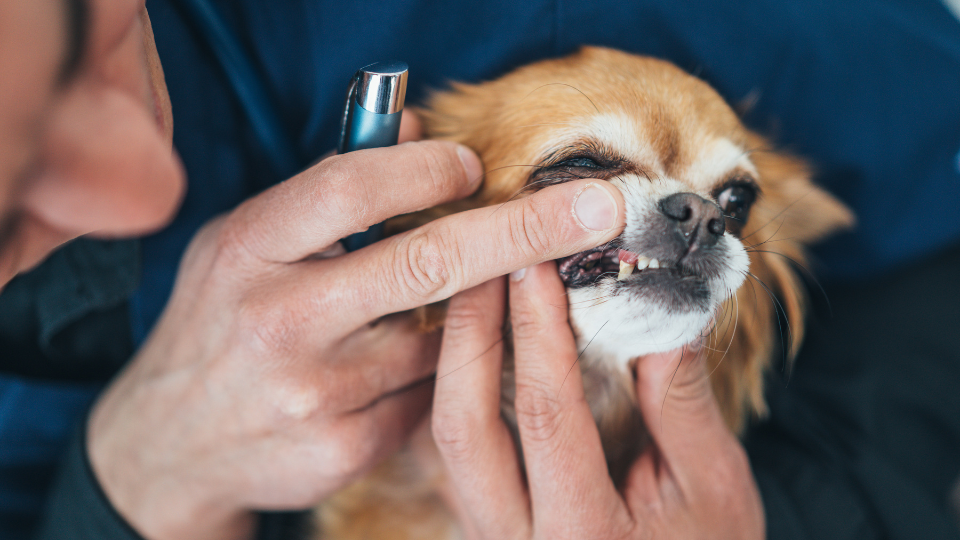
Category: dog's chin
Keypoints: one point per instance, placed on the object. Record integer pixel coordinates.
(651, 310)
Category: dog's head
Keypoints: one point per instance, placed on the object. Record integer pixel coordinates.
(707, 205)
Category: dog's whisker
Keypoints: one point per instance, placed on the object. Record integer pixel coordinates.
(806, 271)
(578, 357)
(667, 392)
(788, 207)
(786, 319)
(733, 333)
(562, 84)
(549, 124)
(467, 363)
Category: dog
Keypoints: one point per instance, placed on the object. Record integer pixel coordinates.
(716, 222)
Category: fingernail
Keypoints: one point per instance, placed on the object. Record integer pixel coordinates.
(594, 208)
(517, 275)
(471, 164)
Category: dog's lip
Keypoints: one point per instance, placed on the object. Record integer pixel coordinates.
(584, 268)
(587, 267)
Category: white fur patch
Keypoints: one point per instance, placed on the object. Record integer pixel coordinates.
(715, 160)
(621, 133)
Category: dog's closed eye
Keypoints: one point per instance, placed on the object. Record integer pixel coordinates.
(579, 162)
(585, 160)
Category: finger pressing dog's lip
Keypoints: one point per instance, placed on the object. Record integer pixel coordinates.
(585, 268)
(673, 284)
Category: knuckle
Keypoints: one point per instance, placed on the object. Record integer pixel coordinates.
(438, 169)
(294, 401)
(529, 323)
(539, 412)
(465, 315)
(267, 327)
(454, 435)
(426, 263)
(338, 189)
(528, 230)
(231, 240)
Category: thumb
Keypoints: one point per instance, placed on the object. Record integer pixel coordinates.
(678, 406)
(695, 455)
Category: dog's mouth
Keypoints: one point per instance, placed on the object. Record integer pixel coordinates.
(587, 267)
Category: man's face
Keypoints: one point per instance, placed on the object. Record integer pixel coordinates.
(85, 127)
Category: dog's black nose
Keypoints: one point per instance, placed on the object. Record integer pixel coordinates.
(697, 220)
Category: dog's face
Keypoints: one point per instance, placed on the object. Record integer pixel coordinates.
(701, 193)
(689, 186)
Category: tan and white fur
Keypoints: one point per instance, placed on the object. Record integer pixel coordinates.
(679, 155)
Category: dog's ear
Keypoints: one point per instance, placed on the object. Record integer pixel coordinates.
(476, 116)
(791, 206)
(465, 113)
(791, 213)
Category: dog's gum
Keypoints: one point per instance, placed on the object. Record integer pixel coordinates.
(628, 257)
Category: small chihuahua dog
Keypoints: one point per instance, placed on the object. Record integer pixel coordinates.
(715, 224)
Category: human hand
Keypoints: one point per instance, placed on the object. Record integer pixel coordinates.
(693, 481)
(276, 376)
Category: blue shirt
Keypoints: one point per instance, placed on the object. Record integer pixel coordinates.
(866, 90)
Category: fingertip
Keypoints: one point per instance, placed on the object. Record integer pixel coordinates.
(655, 371)
(655, 364)
(517, 275)
(539, 312)
(541, 282)
(598, 206)
(472, 166)
(411, 127)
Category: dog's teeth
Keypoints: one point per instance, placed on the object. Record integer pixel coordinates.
(654, 263)
(625, 270)
(642, 262)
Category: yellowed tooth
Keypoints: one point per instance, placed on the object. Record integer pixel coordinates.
(625, 270)
(642, 262)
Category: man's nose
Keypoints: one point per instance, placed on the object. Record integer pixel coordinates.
(106, 168)
(697, 222)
